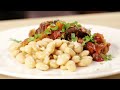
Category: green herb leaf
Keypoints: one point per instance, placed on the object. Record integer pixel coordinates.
(37, 36)
(88, 39)
(54, 28)
(63, 30)
(107, 57)
(47, 31)
(31, 39)
(73, 38)
(78, 25)
(75, 22)
(67, 26)
(18, 41)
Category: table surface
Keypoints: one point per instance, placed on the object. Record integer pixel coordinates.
(104, 19)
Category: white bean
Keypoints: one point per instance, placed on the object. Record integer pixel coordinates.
(78, 47)
(55, 57)
(22, 49)
(14, 46)
(20, 58)
(65, 41)
(53, 64)
(42, 48)
(62, 59)
(70, 65)
(42, 43)
(85, 61)
(69, 51)
(32, 43)
(88, 57)
(58, 52)
(42, 66)
(76, 58)
(63, 67)
(48, 40)
(14, 53)
(35, 48)
(50, 48)
(63, 46)
(71, 45)
(46, 60)
(28, 49)
(30, 62)
(58, 42)
(40, 55)
(84, 53)
(34, 56)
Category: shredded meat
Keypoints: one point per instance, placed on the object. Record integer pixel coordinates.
(99, 47)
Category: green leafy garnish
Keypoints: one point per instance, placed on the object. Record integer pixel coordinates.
(67, 26)
(31, 39)
(37, 36)
(88, 39)
(18, 41)
(73, 38)
(47, 31)
(106, 57)
(63, 30)
(76, 24)
(54, 28)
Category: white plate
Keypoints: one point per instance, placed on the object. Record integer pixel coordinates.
(9, 66)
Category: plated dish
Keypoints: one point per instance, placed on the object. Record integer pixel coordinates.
(59, 44)
(81, 63)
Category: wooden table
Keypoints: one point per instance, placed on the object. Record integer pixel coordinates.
(105, 19)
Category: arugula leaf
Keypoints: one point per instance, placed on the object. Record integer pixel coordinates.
(88, 39)
(47, 31)
(54, 28)
(73, 38)
(67, 26)
(31, 39)
(18, 41)
(37, 36)
(75, 22)
(108, 57)
(63, 30)
(78, 25)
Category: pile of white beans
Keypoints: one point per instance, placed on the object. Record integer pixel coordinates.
(47, 53)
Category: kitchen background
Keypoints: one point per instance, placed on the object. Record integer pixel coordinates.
(7, 15)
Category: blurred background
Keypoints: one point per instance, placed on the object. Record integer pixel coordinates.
(8, 15)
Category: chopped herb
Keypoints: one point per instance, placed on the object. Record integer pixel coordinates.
(63, 30)
(54, 28)
(47, 31)
(75, 22)
(73, 38)
(18, 41)
(67, 26)
(31, 39)
(78, 25)
(88, 39)
(37, 36)
(107, 57)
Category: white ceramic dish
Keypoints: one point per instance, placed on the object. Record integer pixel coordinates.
(9, 66)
